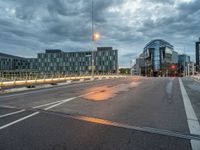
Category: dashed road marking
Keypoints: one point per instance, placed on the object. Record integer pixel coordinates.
(7, 106)
(12, 113)
(36, 113)
(19, 120)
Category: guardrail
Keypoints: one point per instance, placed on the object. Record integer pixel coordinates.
(53, 80)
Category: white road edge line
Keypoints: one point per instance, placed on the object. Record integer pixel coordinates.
(192, 120)
(12, 113)
(36, 113)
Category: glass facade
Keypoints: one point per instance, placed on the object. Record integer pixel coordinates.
(198, 55)
(57, 61)
(158, 57)
(10, 62)
(183, 61)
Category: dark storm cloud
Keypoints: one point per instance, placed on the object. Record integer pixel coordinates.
(30, 26)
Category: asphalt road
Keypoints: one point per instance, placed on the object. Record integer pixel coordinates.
(113, 114)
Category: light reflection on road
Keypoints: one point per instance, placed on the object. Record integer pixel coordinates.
(105, 92)
(95, 120)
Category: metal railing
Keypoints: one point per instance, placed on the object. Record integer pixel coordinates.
(30, 79)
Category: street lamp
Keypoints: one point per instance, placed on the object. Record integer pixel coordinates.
(95, 37)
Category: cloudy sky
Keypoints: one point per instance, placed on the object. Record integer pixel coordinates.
(31, 26)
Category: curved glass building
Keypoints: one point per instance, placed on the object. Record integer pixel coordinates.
(158, 57)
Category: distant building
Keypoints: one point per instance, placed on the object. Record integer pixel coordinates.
(57, 61)
(174, 57)
(13, 63)
(33, 64)
(198, 55)
(140, 65)
(158, 57)
(183, 62)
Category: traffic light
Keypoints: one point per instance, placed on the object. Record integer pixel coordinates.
(173, 67)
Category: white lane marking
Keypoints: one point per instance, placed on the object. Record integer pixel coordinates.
(19, 120)
(43, 105)
(7, 106)
(12, 113)
(33, 114)
(51, 103)
(64, 101)
(192, 120)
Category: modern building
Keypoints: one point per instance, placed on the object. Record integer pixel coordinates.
(175, 57)
(139, 67)
(158, 55)
(10, 62)
(33, 64)
(57, 61)
(198, 55)
(183, 63)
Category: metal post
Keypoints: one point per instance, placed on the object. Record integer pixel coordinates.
(93, 39)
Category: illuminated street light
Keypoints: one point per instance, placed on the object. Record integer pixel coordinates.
(96, 36)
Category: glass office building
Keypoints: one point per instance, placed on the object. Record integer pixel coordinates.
(10, 62)
(183, 62)
(56, 61)
(198, 55)
(158, 55)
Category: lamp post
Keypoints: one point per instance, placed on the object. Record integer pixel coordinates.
(95, 37)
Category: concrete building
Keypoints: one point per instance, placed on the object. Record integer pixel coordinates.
(198, 55)
(57, 61)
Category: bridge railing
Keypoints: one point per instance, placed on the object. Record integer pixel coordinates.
(53, 79)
